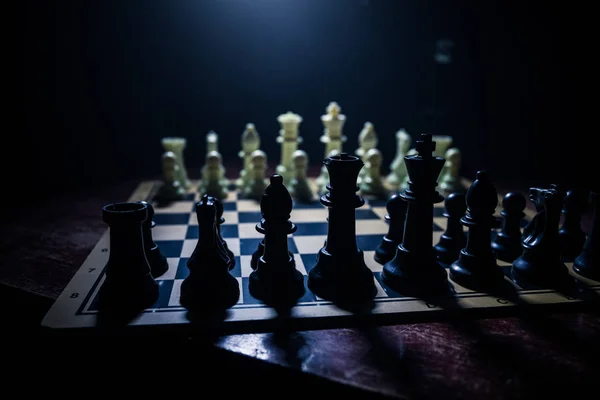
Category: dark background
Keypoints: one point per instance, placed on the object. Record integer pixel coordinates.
(102, 82)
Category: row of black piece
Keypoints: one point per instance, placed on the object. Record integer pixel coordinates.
(537, 255)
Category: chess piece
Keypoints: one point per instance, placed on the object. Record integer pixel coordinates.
(372, 183)
(442, 144)
(257, 182)
(299, 186)
(209, 285)
(396, 216)
(333, 122)
(476, 265)
(250, 143)
(587, 262)
(449, 180)
(220, 220)
(323, 179)
(157, 260)
(570, 234)
(289, 140)
(453, 240)
(213, 181)
(398, 168)
(276, 279)
(170, 189)
(340, 274)
(540, 263)
(212, 142)
(404, 183)
(129, 283)
(367, 140)
(177, 146)
(415, 269)
(507, 243)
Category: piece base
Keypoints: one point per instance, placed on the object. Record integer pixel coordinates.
(346, 281)
(204, 292)
(476, 273)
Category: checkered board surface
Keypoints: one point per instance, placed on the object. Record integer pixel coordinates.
(176, 233)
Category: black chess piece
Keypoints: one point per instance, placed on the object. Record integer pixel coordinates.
(129, 284)
(158, 262)
(340, 274)
(221, 221)
(507, 243)
(276, 280)
(260, 250)
(209, 285)
(587, 263)
(540, 264)
(570, 234)
(396, 216)
(453, 240)
(415, 270)
(476, 265)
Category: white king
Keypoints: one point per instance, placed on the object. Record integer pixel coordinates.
(289, 139)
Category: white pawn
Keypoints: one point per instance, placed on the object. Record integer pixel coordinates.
(213, 181)
(171, 188)
(372, 183)
(250, 143)
(299, 186)
(323, 179)
(404, 184)
(449, 179)
(367, 140)
(257, 182)
(398, 168)
(212, 142)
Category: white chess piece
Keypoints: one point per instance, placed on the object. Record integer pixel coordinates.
(213, 181)
(367, 140)
(323, 179)
(442, 143)
(333, 122)
(398, 168)
(299, 186)
(257, 182)
(250, 143)
(449, 179)
(212, 142)
(171, 188)
(177, 146)
(289, 140)
(372, 182)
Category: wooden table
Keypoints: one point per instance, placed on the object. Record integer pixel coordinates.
(44, 244)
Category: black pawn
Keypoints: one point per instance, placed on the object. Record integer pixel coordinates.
(540, 264)
(570, 234)
(158, 262)
(476, 265)
(588, 262)
(507, 243)
(220, 221)
(209, 285)
(129, 284)
(276, 280)
(396, 215)
(453, 240)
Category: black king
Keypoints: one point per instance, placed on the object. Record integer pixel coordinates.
(415, 269)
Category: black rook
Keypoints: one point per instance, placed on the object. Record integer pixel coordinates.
(340, 272)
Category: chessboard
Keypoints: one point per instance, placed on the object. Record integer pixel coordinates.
(176, 233)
